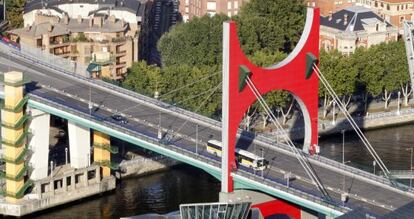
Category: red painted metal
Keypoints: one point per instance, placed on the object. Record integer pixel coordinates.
(289, 77)
(279, 207)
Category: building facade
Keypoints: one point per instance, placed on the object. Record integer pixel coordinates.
(197, 8)
(102, 33)
(330, 6)
(354, 27)
(101, 42)
(393, 11)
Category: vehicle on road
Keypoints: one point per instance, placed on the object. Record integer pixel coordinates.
(119, 118)
(244, 158)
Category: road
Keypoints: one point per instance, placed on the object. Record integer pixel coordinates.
(377, 197)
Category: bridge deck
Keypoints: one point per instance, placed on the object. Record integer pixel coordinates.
(376, 196)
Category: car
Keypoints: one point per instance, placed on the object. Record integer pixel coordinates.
(119, 118)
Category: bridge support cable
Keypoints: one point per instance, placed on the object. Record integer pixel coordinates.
(298, 154)
(213, 90)
(360, 134)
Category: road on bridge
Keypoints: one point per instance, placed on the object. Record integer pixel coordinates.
(376, 196)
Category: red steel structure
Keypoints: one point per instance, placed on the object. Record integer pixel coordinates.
(294, 74)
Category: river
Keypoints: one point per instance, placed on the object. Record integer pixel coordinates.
(163, 192)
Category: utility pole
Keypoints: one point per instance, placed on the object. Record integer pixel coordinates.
(262, 159)
(66, 155)
(398, 111)
(343, 158)
(90, 101)
(333, 114)
(411, 169)
(196, 138)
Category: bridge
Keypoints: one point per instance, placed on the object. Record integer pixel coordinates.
(88, 104)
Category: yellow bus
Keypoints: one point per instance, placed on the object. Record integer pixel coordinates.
(244, 158)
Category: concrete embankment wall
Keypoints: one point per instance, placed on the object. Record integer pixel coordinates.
(372, 121)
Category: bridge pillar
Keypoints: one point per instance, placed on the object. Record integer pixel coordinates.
(14, 136)
(79, 145)
(39, 143)
(101, 153)
(294, 75)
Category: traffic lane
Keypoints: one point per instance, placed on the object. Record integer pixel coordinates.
(103, 114)
(102, 97)
(334, 180)
(77, 88)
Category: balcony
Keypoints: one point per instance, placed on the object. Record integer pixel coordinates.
(120, 53)
(119, 40)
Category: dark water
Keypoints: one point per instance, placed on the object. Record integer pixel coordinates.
(163, 192)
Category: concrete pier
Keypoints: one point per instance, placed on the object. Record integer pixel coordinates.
(39, 143)
(66, 185)
(79, 145)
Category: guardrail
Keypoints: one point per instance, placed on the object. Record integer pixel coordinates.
(181, 149)
(185, 114)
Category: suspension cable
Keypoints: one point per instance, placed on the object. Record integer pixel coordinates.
(213, 90)
(360, 134)
(187, 85)
(306, 166)
(175, 90)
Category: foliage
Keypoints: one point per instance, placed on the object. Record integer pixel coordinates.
(271, 25)
(14, 13)
(143, 78)
(339, 71)
(196, 43)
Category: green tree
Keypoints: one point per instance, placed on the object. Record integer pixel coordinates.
(271, 25)
(144, 79)
(195, 43)
(14, 13)
(193, 88)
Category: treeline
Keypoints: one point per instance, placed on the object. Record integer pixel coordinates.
(191, 55)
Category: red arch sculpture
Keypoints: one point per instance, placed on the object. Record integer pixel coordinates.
(292, 75)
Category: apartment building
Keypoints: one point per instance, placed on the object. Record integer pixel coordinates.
(99, 42)
(197, 8)
(330, 6)
(354, 27)
(87, 31)
(393, 11)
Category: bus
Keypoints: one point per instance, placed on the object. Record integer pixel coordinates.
(244, 158)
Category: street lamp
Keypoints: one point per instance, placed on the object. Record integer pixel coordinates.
(411, 167)
(90, 101)
(66, 155)
(398, 111)
(261, 149)
(196, 138)
(333, 114)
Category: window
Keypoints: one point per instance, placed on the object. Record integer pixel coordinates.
(228, 5)
(388, 7)
(211, 6)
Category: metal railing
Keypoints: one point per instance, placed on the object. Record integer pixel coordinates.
(182, 149)
(185, 114)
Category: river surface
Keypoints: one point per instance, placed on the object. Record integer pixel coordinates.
(163, 192)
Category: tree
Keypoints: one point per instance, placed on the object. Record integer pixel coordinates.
(195, 43)
(195, 88)
(14, 13)
(144, 79)
(271, 26)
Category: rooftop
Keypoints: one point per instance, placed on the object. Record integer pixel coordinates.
(134, 6)
(73, 26)
(352, 19)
